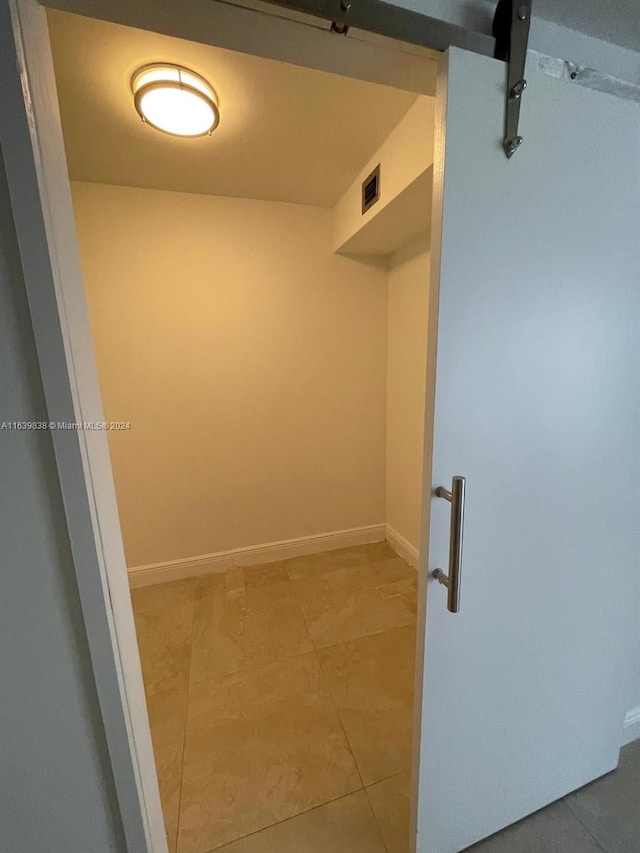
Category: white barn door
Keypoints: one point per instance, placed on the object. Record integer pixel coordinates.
(537, 405)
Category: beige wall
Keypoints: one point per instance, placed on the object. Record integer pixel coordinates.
(408, 297)
(250, 361)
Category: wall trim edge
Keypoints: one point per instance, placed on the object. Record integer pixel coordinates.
(402, 546)
(631, 725)
(187, 567)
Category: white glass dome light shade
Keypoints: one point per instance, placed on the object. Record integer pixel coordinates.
(175, 100)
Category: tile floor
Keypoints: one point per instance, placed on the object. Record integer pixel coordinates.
(280, 700)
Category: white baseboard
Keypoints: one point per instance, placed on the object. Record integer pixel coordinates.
(631, 725)
(402, 547)
(208, 563)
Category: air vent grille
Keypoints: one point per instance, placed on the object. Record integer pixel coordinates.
(371, 189)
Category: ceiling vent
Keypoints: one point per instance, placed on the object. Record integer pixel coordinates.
(371, 189)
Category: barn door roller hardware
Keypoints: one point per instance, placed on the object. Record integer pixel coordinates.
(511, 30)
(341, 27)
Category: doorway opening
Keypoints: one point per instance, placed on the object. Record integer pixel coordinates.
(259, 318)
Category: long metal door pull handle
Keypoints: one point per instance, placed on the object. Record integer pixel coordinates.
(452, 580)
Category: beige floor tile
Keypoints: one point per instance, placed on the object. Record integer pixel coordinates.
(406, 587)
(229, 583)
(299, 567)
(233, 631)
(357, 553)
(167, 717)
(163, 616)
(394, 569)
(377, 551)
(318, 565)
(341, 558)
(344, 826)
(390, 801)
(346, 604)
(265, 574)
(411, 600)
(162, 595)
(233, 582)
(261, 746)
(371, 680)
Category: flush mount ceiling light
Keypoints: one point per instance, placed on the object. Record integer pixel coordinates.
(175, 100)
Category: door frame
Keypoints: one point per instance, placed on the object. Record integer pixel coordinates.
(33, 149)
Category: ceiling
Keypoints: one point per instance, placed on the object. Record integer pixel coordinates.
(286, 133)
(615, 21)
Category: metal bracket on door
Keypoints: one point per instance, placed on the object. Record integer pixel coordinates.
(511, 30)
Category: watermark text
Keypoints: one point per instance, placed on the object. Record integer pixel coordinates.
(65, 425)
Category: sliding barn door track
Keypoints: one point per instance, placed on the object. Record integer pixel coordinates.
(509, 43)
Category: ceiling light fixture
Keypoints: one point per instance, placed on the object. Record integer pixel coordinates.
(175, 100)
